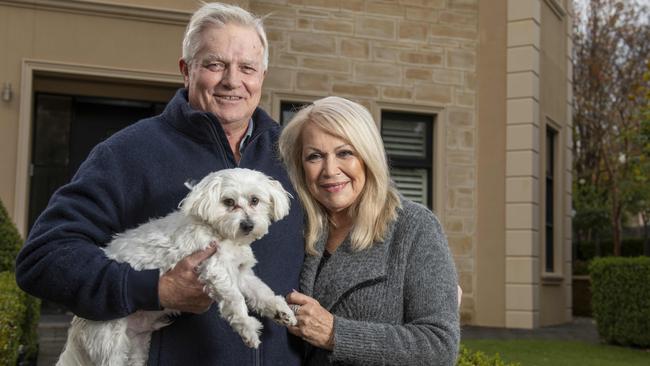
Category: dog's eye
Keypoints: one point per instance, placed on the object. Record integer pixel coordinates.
(229, 202)
(255, 201)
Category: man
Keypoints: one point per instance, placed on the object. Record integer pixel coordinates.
(213, 123)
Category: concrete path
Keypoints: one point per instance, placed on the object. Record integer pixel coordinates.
(52, 333)
(581, 329)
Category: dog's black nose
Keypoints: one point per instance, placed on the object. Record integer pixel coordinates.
(246, 226)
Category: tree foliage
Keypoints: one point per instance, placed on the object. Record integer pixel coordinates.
(640, 189)
(610, 61)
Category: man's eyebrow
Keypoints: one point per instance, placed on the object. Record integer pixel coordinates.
(250, 62)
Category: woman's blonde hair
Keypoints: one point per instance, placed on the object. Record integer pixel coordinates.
(377, 203)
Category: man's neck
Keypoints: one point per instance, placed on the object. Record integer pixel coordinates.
(235, 132)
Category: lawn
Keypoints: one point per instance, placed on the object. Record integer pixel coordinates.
(559, 353)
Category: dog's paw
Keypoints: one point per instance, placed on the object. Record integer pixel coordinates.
(250, 332)
(283, 314)
(252, 342)
(285, 318)
(162, 322)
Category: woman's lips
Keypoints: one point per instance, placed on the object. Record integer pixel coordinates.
(334, 187)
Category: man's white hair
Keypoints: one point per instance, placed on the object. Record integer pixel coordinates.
(218, 15)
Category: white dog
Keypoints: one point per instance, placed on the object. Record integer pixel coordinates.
(233, 207)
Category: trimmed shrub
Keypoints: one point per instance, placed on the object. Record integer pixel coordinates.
(621, 299)
(467, 357)
(30, 328)
(12, 317)
(19, 314)
(10, 241)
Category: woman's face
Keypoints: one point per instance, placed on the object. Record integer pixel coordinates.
(334, 173)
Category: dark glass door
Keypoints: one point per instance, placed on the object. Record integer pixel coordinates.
(66, 128)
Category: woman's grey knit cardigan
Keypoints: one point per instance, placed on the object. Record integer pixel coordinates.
(394, 303)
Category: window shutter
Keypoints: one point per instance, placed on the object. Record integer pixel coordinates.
(412, 183)
(404, 139)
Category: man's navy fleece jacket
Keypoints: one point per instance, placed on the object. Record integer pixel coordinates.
(138, 174)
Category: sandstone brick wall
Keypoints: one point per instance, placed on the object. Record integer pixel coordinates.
(391, 54)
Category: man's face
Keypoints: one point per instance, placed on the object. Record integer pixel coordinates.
(226, 74)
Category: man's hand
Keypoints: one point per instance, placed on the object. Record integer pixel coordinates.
(180, 288)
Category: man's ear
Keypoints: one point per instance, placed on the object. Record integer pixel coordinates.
(185, 71)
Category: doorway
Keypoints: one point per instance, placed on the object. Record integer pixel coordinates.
(66, 128)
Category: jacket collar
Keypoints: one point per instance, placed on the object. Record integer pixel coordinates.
(345, 270)
(197, 124)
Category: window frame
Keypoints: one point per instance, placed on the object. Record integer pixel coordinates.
(427, 162)
(295, 105)
(550, 158)
(555, 274)
(277, 99)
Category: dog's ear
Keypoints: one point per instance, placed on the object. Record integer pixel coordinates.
(279, 200)
(203, 198)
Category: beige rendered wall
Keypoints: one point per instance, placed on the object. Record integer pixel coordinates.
(182, 5)
(489, 290)
(418, 56)
(538, 77)
(555, 111)
(523, 165)
(81, 39)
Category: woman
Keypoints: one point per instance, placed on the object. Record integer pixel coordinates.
(378, 285)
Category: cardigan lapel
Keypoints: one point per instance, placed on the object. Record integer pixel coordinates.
(345, 270)
(310, 266)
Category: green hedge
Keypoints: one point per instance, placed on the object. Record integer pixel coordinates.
(10, 241)
(467, 357)
(621, 299)
(630, 247)
(19, 314)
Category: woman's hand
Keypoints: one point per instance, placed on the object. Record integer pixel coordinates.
(315, 323)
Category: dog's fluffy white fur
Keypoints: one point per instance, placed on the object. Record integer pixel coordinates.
(233, 207)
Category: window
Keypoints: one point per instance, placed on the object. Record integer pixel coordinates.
(551, 142)
(288, 110)
(408, 139)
